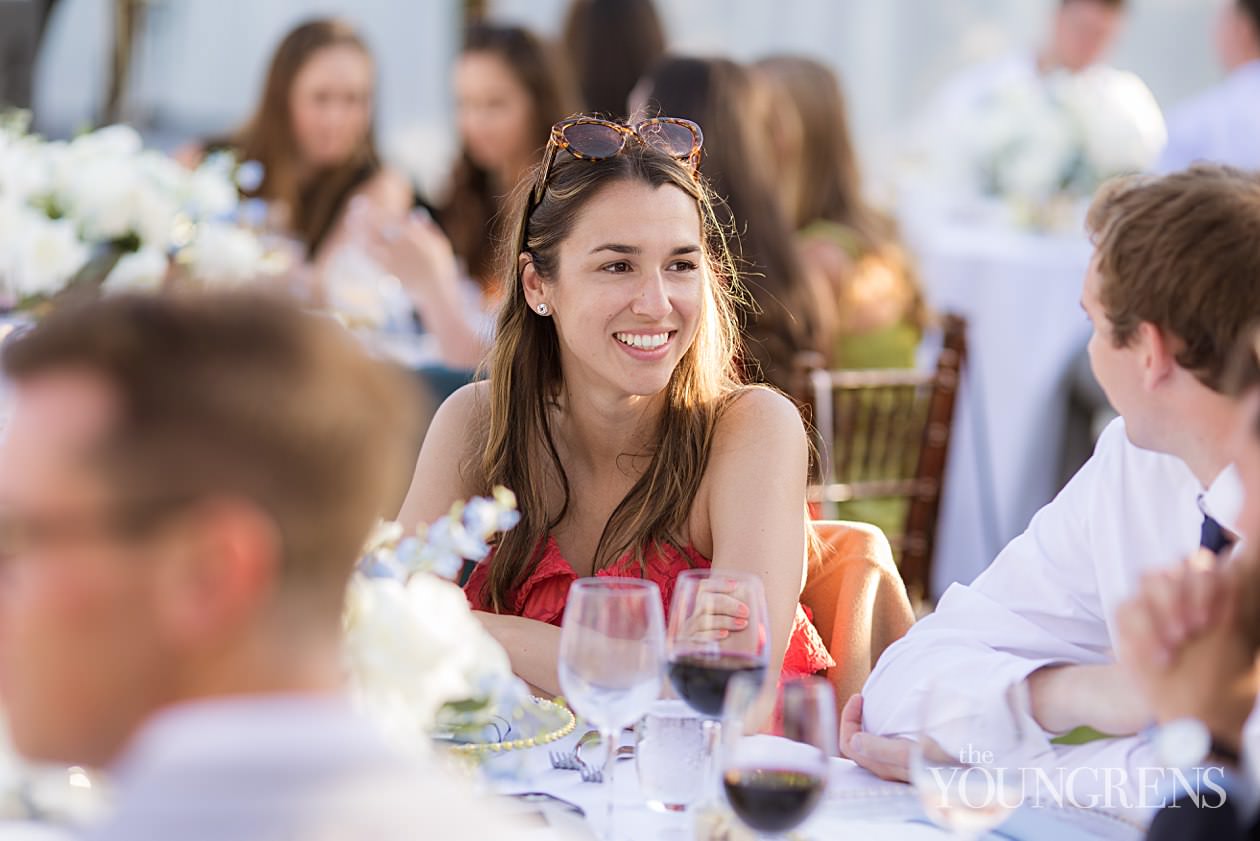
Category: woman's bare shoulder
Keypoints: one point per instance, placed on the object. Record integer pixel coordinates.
(756, 412)
(461, 419)
(446, 470)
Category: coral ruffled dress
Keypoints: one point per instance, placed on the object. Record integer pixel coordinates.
(543, 594)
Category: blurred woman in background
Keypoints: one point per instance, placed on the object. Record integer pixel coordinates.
(842, 239)
(611, 45)
(312, 133)
(790, 320)
(509, 90)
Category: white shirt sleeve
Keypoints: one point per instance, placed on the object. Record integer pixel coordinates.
(1185, 142)
(1037, 604)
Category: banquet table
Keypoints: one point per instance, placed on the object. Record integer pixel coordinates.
(1020, 293)
(857, 805)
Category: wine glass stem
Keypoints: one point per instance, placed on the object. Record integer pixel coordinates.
(610, 740)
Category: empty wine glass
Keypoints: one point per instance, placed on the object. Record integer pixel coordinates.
(612, 643)
(776, 749)
(717, 629)
(967, 762)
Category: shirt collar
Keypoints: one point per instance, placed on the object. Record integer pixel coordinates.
(1251, 68)
(1222, 501)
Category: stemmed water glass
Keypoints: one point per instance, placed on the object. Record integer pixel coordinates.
(777, 746)
(612, 643)
(717, 629)
(967, 763)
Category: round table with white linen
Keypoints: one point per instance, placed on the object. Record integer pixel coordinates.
(1020, 293)
(856, 805)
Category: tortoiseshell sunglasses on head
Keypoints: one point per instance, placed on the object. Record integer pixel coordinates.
(595, 139)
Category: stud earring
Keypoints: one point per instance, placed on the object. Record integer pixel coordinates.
(543, 309)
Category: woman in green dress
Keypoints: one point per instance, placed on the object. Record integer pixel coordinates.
(877, 311)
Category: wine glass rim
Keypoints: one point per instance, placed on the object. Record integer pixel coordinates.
(610, 582)
(711, 572)
(807, 681)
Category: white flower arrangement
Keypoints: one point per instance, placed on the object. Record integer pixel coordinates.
(1041, 143)
(418, 660)
(103, 200)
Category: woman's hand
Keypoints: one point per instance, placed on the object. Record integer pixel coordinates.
(718, 612)
(412, 248)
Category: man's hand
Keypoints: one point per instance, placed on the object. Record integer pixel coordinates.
(1204, 666)
(1171, 607)
(886, 758)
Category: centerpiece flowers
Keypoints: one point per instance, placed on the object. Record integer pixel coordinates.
(419, 662)
(102, 209)
(1042, 145)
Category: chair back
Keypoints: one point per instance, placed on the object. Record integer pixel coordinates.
(884, 434)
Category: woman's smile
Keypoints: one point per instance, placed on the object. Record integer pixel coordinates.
(646, 346)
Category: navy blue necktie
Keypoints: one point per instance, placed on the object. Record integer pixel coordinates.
(1213, 536)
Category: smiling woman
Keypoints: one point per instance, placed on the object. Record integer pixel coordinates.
(613, 407)
(312, 133)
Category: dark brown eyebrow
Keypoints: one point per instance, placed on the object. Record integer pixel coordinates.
(617, 248)
(620, 248)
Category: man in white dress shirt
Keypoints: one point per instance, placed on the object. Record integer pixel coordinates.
(1081, 34)
(185, 485)
(1222, 125)
(1169, 292)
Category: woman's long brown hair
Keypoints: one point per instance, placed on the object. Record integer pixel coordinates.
(789, 318)
(526, 381)
(612, 44)
(826, 181)
(317, 201)
(470, 215)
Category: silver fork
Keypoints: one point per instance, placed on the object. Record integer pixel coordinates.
(568, 760)
(590, 773)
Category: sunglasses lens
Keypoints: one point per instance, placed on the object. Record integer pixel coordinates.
(674, 139)
(594, 140)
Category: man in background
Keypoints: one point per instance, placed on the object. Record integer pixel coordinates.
(1081, 34)
(1222, 124)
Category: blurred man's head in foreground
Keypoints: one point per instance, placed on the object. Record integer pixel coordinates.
(185, 484)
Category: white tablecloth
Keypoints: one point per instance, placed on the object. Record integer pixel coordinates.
(857, 805)
(1020, 293)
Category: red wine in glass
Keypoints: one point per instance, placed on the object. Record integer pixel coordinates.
(773, 800)
(701, 679)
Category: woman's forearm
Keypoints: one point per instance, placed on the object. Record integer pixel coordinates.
(532, 646)
(460, 344)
